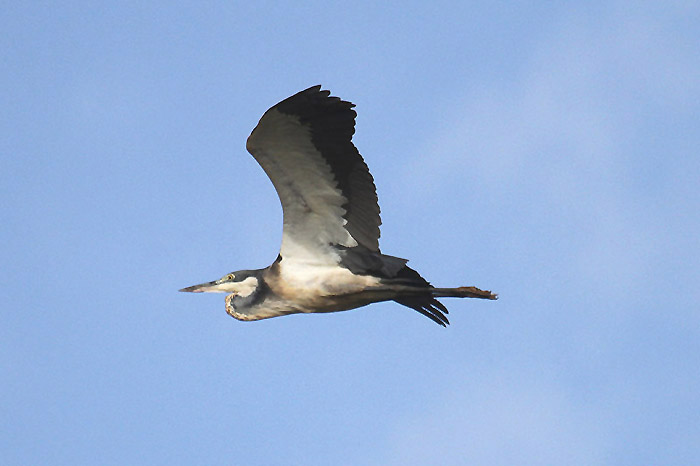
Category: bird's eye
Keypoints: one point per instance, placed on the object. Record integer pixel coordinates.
(229, 277)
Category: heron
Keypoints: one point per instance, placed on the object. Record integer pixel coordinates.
(329, 259)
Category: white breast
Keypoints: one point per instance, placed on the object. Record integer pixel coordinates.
(318, 280)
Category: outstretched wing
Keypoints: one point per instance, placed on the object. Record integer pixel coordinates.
(327, 193)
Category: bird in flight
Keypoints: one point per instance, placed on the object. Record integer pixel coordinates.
(329, 259)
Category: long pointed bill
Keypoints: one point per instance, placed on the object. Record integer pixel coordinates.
(203, 287)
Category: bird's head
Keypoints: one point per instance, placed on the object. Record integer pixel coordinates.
(242, 283)
(246, 288)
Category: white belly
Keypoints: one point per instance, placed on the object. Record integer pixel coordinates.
(317, 286)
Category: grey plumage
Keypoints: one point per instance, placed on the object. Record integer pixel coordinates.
(332, 124)
(330, 258)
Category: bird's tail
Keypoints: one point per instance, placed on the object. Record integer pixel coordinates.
(423, 299)
(412, 290)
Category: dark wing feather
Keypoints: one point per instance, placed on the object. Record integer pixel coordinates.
(304, 144)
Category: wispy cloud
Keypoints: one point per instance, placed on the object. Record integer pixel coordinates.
(563, 135)
(502, 418)
(556, 150)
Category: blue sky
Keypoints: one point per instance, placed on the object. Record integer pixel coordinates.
(547, 151)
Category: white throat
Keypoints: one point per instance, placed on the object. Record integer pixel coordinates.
(243, 288)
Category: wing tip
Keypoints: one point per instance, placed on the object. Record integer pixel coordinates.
(311, 97)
